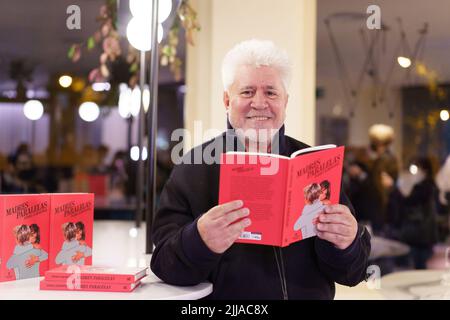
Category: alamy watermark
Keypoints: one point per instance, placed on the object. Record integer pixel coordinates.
(73, 282)
(249, 140)
(374, 20)
(373, 277)
(73, 21)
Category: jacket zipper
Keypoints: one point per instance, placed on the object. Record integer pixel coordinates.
(281, 272)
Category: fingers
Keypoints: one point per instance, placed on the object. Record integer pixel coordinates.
(239, 226)
(222, 225)
(231, 217)
(224, 208)
(337, 208)
(235, 230)
(337, 225)
(335, 218)
(331, 237)
(334, 228)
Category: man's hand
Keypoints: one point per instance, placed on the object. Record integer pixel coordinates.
(338, 226)
(218, 227)
(30, 262)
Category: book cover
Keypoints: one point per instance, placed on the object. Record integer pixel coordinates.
(99, 287)
(71, 229)
(97, 274)
(284, 194)
(24, 236)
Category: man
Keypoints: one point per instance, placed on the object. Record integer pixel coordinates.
(194, 236)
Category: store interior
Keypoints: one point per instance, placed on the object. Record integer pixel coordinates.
(371, 77)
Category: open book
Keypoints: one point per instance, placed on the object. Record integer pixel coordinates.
(284, 194)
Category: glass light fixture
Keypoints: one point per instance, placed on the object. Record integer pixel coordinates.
(124, 104)
(146, 98)
(101, 86)
(89, 111)
(139, 31)
(134, 153)
(144, 154)
(135, 101)
(33, 109)
(144, 8)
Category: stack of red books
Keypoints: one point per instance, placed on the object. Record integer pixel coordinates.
(42, 231)
(93, 278)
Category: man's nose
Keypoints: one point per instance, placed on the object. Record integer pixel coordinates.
(259, 101)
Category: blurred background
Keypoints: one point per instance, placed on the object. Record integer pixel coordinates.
(371, 75)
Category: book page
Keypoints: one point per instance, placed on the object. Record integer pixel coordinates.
(261, 185)
(316, 182)
(312, 149)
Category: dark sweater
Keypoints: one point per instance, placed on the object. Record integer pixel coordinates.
(244, 271)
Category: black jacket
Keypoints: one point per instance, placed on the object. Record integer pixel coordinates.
(245, 271)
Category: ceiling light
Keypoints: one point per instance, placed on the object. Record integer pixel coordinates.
(404, 62)
(65, 81)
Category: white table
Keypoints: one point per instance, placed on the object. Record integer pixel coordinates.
(416, 285)
(359, 292)
(151, 289)
(383, 248)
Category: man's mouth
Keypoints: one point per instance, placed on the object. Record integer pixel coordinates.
(259, 118)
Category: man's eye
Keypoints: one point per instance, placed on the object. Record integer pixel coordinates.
(246, 93)
(271, 93)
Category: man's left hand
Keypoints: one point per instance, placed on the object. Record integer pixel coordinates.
(337, 225)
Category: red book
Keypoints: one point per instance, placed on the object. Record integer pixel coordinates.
(24, 230)
(71, 229)
(100, 287)
(96, 274)
(284, 194)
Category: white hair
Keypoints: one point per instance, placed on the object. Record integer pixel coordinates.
(255, 53)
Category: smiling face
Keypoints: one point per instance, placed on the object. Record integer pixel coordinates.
(256, 99)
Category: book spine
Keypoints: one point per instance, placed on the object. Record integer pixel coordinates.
(99, 287)
(287, 206)
(90, 281)
(100, 278)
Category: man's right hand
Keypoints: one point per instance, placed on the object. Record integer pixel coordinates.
(218, 227)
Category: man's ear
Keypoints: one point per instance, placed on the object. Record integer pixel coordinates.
(226, 100)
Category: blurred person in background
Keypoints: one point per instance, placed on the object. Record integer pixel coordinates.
(443, 184)
(357, 187)
(102, 154)
(20, 175)
(442, 181)
(87, 160)
(382, 169)
(418, 226)
(118, 176)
